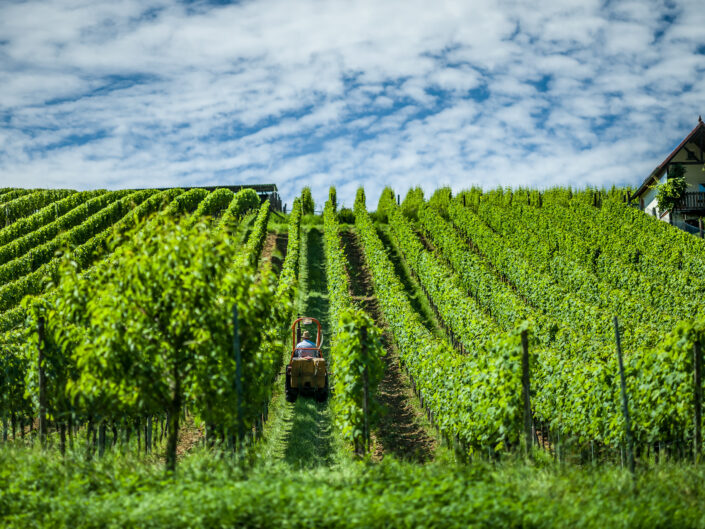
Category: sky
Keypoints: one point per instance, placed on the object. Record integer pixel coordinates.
(141, 93)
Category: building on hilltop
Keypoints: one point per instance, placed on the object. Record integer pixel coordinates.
(690, 155)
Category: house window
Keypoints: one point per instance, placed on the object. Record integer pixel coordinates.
(701, 188)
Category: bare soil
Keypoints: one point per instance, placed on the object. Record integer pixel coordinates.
(274, 250)
(189, 436)
(399, 430)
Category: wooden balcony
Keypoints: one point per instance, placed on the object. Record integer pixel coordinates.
(692, 202)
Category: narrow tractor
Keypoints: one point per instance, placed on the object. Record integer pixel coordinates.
(307, 372)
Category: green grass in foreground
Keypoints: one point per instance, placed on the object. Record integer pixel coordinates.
(38, 490)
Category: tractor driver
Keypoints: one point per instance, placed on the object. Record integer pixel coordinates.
(306, 348)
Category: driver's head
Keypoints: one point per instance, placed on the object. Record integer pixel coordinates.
(306, 335)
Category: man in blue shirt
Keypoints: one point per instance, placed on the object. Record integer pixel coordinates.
(306, 348)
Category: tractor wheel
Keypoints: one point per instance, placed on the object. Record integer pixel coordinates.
(322, 394)
(291, 393)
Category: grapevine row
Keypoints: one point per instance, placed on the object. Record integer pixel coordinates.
(243, 201)
(512, 255)
(473, 398)
(669, 258)
(495, 296)
(90, 226)
(472, 327)
(575, 390)
(560, 316)
(257, 316)
(84, 254)
(83, 210)
(646, 322)
(28, 204)
(173, 201)
(253, 247)
(571, 233)
(213, 204)
(352, 359)
(650, 242)
(14, 194)
(44, 216)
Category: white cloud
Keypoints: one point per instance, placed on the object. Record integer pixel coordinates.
(373, 92)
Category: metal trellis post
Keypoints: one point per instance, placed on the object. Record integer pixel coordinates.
(238, 376)
(625, 403)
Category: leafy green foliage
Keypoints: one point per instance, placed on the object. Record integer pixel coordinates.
(475, 398)
(476, 276)
(413, 200)
(387, 200)
(244, 200)
(565, 261)
(213, 204)
(80, 387)
(253, 247)
(26, 274)
(672, 190)
(346, 216)
(353, 360)
(336, 265)
(153, 329)
(441, 198)
(80, 210)
(290, 269)
(186, 202)
(504, 233)
(460, 313)
(356, 361)
(213, 492)
(49, 213)
(333, 197)
(42, 253)
(549, 252)
(14, 363)
(12, 194)
(307, 203)
(29, 203)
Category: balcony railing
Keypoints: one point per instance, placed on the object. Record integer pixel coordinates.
(692, 201)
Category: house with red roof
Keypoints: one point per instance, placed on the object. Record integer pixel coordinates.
(690, 154)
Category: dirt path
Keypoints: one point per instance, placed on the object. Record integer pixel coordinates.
(400, 429)
(412, 288)
(300, 434)
(274, 250)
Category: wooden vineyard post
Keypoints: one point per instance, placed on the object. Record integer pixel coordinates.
(698, 394)
(42, 384)
(366, 389)
(238, 377)
(625, 403)
(148, 433)
(700, 227)
(101, 438)
(526, 393)
(62, 437)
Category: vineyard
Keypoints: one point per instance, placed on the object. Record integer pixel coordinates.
(519, 344)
